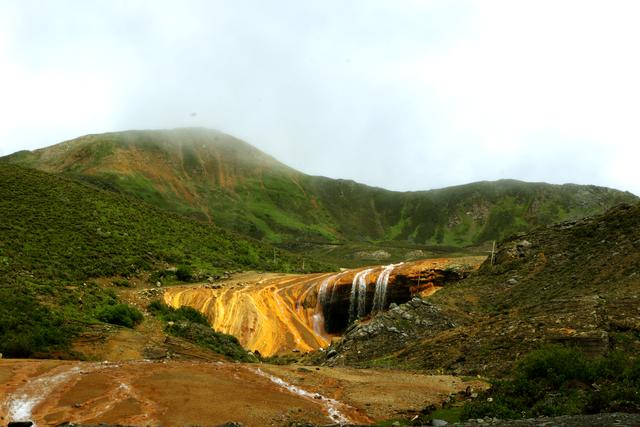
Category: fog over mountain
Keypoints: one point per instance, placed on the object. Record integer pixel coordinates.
(403, 95)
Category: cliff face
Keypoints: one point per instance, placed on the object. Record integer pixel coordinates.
(282, 313)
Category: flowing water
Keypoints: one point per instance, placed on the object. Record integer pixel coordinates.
(380, 294)
(362, 293)
(358, 287)
(21, 403)
(331, 405)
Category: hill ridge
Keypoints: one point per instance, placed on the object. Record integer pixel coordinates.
(212, 176)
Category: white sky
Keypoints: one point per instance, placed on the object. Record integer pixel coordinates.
(402, 94)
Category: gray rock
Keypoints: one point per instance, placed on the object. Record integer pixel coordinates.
(439, 423)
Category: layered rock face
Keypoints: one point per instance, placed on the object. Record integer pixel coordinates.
(284, 313)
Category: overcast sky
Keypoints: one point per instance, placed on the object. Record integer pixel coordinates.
(402, 94)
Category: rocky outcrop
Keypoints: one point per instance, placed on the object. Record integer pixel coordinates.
(391, 330)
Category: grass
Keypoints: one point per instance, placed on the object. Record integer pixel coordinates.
(555, 380)
(213, 177)
(56, 234)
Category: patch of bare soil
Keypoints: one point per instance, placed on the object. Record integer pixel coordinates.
(380, 393)
(176, 393)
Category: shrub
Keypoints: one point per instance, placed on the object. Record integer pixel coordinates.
(120, 314)
(206, 337)
(121, 282)
(183, 273)
(557, 380)
(553, 366)
(170, 314)
(191, 325)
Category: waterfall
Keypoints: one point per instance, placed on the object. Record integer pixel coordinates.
(357, 299)
(322, 291)
(362, 292)
(318, 317)
(380, 294)
(333, 289)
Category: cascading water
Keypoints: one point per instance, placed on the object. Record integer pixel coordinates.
(318, 316)
(362, 293)
(357, 300)
(322, 291)
(380, 294)
(332, 406)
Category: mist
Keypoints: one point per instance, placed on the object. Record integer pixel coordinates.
(404, 95)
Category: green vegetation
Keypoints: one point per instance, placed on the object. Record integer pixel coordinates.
(120, 314)
(56, 234)
(216, 178)
(558, 380)
(170, 314)
(184, 274)
(190, 324)
(39, 317)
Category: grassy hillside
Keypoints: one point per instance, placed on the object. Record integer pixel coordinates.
(554, 321)
(216, 178)
(575, 283)
(57, 234)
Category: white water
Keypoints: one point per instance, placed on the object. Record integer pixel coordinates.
(358, 297)
(380, 294)
(362, 292)
(333, 288)
(318, 317)
(330, 405)
(21, 403)
(318, 324)
(322, 292)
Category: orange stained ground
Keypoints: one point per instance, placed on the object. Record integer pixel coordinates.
(278, 313)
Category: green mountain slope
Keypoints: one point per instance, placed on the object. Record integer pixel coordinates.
(215, 177)
(56, 234)
(575, 283)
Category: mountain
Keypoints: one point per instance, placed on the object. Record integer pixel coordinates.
(216, 178)
(575, 283)
(59, 236)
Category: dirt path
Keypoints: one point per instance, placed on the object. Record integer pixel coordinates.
(208, 393)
